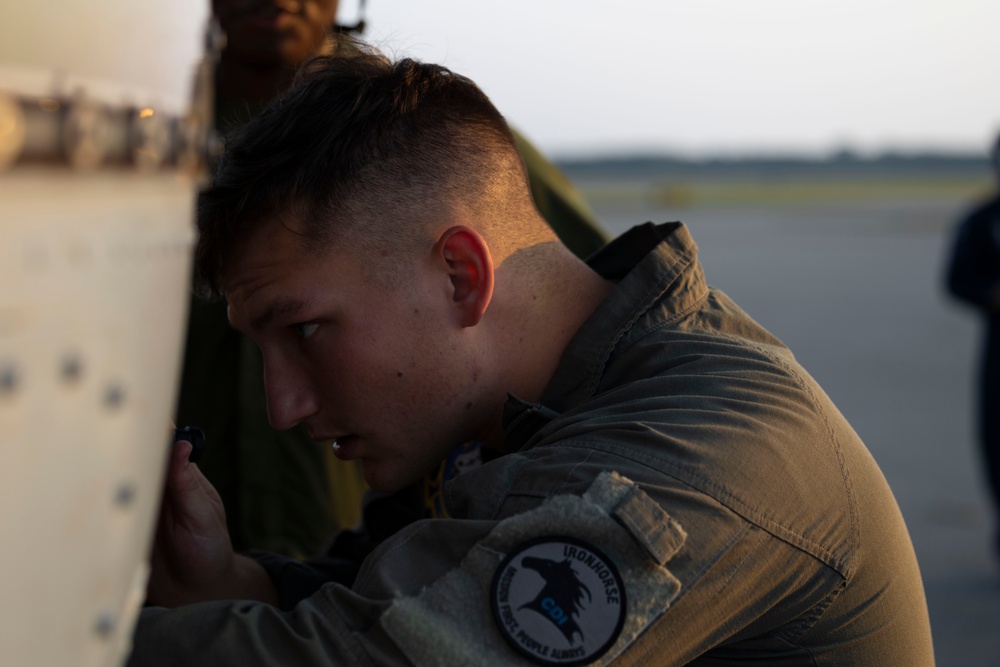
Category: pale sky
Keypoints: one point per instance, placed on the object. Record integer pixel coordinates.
(582, 77)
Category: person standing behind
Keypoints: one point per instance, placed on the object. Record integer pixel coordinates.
(974, 277)
(283, 492)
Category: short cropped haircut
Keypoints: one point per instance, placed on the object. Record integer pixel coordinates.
(367, 147)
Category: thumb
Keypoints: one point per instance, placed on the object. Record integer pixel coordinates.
(182, 475)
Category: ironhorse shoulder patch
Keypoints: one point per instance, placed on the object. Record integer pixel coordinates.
(558, 601)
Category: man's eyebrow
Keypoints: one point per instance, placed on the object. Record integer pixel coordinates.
(277, 309)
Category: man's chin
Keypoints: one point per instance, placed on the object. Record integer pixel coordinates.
(386, 478)
(285, 49)
(378, 478)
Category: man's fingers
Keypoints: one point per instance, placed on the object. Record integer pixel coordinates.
(188, 490)
(181, 451)
(182, 478)
(196, 437)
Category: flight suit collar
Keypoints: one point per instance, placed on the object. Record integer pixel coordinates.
(653, 265)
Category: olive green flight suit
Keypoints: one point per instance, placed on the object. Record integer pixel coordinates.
(708, 503)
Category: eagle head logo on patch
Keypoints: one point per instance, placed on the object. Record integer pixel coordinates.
(558, 601)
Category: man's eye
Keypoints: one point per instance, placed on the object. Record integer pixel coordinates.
(305, 330)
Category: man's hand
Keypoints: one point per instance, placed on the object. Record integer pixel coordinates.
(193, 558)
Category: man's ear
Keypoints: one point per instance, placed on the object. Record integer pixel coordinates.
(470, 268)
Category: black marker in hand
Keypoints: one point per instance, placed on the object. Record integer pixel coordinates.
(196, 437)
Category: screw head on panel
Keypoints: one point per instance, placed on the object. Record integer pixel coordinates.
(105, 625)
(71, 368)
(124, 494)
(114, 396)
(9, 378)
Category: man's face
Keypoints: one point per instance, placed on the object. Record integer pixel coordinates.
(379, 370)
(267, 33)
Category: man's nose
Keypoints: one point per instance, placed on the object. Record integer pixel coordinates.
(290, 398)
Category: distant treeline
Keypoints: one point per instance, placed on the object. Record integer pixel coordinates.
(840, 165)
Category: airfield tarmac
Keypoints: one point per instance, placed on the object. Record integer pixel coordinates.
(856, 291)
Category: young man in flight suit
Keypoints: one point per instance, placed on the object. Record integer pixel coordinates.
(669, 486)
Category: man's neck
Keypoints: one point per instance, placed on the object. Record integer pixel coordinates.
(263, 81)
(539, 316)
(237, 80)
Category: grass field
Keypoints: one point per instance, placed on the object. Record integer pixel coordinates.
(770, 192)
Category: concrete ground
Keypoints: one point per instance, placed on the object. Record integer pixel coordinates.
(856, 291)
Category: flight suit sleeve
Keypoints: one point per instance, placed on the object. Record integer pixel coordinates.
(458, 592)
(322, 630)
(296, 580)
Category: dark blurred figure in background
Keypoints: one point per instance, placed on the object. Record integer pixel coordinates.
(266, 41)
(974, 277)
(282, 492)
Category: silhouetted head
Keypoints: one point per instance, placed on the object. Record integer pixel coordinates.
(560, 599)
(269, 33)
(560, 577)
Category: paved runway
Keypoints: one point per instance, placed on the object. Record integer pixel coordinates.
(856, 291)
